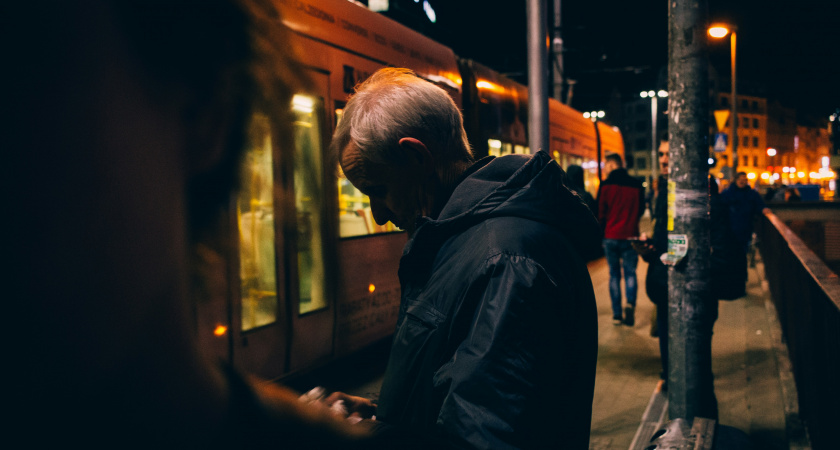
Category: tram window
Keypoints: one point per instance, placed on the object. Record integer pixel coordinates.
(255, 213)
(354, 214)
(519, 149)
(494, 147)
(309, 198)
(507, 148)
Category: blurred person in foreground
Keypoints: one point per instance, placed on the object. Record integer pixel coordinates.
(656, 282)
(496, 339)
(745, 204)
(621, 203)
(125, 129)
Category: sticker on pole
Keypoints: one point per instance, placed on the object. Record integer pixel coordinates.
(677, 249)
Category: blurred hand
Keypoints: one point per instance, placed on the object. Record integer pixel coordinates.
(643, 247)
(360, 407)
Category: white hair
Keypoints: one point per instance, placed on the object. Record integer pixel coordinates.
(395, 103)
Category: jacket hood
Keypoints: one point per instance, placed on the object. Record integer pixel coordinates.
(526, 186)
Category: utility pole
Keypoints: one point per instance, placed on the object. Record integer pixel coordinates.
(691, 311)
(557, 46)
(537, 76)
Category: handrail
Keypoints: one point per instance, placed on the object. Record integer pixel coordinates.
(807, 297)
(820, 272)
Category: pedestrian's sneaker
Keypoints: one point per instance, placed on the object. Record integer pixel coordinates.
(617, 320)
(629, 315)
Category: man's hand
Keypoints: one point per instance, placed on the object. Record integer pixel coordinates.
(358, 406)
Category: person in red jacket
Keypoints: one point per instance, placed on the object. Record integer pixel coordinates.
(621, 202)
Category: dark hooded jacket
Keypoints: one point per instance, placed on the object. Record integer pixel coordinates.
(496, 339)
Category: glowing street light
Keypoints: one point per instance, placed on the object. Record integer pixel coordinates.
(654, 141)
(771, 152)
(719, 31)
(594, 115)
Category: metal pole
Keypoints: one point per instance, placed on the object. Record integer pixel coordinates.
(558, 54)
(537, 76)
(654, 163)
(734, 120)
(691, 313)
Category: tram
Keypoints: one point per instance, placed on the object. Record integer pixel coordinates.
(314, 278)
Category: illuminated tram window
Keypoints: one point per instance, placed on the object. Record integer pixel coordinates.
(309, 198)
(255, 214)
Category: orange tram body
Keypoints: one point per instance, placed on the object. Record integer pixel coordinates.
(313, 277)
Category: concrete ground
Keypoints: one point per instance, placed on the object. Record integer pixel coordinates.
(753, 382)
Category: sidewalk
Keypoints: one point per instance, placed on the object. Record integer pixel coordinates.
(753, 383)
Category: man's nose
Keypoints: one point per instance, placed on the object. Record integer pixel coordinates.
(381, 213)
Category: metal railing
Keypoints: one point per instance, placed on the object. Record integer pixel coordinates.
(806, 293)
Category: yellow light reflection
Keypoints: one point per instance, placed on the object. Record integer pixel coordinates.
(718, 31)
(486, 85)
(371, 288)
(302, 103)
(220, 330)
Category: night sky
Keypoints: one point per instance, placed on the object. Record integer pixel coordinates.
(786, 51)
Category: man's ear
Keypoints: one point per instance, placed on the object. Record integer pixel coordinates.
(419, 153)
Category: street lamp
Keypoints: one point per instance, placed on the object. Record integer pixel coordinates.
(594, 116)
(771, 152)
(720, 31)
(654, 141)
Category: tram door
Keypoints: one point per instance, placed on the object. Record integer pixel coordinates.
(285, 312)
(258, 341)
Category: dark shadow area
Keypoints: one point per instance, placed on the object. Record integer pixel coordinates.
(345, 374)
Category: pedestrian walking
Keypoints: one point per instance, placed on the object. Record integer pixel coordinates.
(621, 203)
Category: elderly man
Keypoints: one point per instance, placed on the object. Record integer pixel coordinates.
(496, 339)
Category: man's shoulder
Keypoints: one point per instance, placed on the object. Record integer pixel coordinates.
(620, 177)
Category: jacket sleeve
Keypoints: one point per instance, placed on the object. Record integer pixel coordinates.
(602, 207)
(641, 201)
(505, 381)
(758, 202)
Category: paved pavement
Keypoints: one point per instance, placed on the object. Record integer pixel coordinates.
(753, 382)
